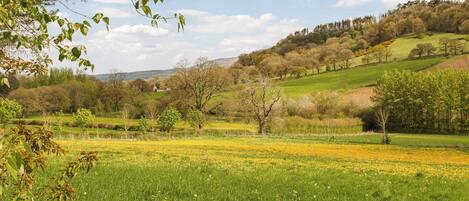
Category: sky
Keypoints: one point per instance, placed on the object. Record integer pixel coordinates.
(215, 29)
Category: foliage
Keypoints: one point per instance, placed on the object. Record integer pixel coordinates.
(24, 152)
(168, 119)
(299, 125)
(144, 125)
(83, 117)
(196, 119)
(9, 109)
(26, 24)
(425, 102)
(198, 84)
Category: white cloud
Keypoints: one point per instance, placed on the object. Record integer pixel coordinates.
(349, 3)
(114, 12)
(113, 1)
(204, 22)
(143, 47)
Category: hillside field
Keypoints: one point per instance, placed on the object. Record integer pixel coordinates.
(249, 168)
(351, 78)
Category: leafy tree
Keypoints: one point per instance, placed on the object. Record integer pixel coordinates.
(196, 119)
(140, 86)
(25, 25)
(9, 109)
(345, 56)
(273, 65)
(24, 153)
(83, 117)
(422, 49)
(455, 47)
(261, 98)
(168, 119)
(198, 84)
(444, 45)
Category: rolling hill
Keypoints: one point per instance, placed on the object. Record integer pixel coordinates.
(224, 62)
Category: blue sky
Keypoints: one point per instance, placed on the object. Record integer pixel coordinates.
(215, 28)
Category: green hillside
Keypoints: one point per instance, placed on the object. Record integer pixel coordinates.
(351, 78)
(402, 46)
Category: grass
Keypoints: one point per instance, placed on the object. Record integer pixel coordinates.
(214, 168)
(402, 46)
(351, 78)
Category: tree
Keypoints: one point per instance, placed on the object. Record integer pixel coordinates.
(418, 26)
(200, 83)
(296, 63)
(464, 27)
(25, 25)
(261, 98)
(9, 109)
(422, 49)
(168, 119)
(196, 119)
(455, 47)
(382, 116)
(346, 55)
(311, 59)
(24, 154)
(83, 118)
(273, 65)
(362, 44)
(115, 93)
(379, 52)
(140, 85)
(444, 45)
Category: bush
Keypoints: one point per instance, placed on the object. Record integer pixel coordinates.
(196, 119)
(83, 117)
(144, 125)
(168, 119)
(9, 109)
(298, 125)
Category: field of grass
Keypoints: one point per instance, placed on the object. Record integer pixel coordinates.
(402, 46)
(223, 168)
(351, 78)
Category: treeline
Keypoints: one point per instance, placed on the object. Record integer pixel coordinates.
(63, 90)
(425, 102)
(417, 17)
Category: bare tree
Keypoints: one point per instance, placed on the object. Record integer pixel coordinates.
(382, 116)
(200, 83)
(261, 98)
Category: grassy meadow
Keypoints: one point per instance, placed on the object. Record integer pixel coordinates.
(415, 167)
(351, 78)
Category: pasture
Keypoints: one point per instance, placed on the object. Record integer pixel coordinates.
(415, 167)
(351, 78)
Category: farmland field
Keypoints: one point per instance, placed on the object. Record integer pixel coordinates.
(416, 167)
(351, 78)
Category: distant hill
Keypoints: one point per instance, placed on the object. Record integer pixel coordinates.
(224, 62)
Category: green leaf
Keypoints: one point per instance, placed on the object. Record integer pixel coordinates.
(97, 17)
(146, 10)
(5, 81)
(76, 52)
(84, 30)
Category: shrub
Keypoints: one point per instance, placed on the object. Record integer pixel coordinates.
(144, 125)
(168, 119)
(298, 125)
(9, 109)
(196, 119)
(83, 117)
